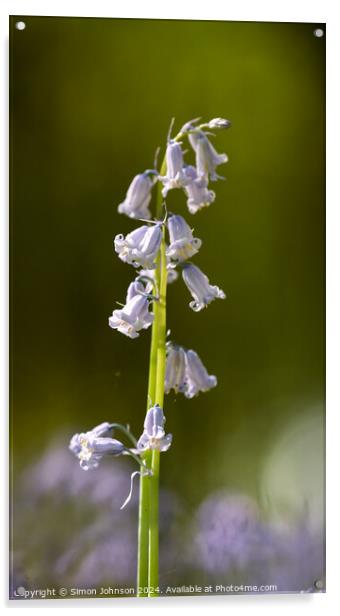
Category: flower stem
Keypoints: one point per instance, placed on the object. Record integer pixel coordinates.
(147, 572)
(160, 317)
(143, 531)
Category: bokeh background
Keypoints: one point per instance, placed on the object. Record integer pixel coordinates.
(243, 483)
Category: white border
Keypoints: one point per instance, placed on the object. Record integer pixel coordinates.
(241, 10)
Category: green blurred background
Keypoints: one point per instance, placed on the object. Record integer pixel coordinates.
(91, 99)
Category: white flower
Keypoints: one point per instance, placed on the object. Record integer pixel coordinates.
(207, 159)
(185, 372)
(197, 377)
(175, 377)
(196, 189)
(200, 288)
(90, 447)
(182, 243)
(154, 436)
(137, 197)
(140, 247)
(175, 176)
(135, 315)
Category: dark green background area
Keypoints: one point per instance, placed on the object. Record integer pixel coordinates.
(91, 99)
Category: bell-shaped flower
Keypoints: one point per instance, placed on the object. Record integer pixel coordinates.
(140, 247)
(182, 243)
(138, 197)
(200, 288)
(197, 191)
(197, 377)
(175, 377)
(154, 436)
(134, 316)
(90, 447)
(207, 159)
(175, 175)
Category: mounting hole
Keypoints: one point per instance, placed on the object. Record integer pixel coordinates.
(20, 25)
(318, 32)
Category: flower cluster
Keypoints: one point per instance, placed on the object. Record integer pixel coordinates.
(90, 447)
(174, 238)
(140, 248)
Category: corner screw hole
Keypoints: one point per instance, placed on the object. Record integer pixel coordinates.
(20, 25)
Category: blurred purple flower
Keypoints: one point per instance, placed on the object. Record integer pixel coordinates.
(229, 533)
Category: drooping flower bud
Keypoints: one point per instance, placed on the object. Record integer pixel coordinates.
(200, 288)
(138, 197)
(197, 377)
(207, 159)
(219, 123)
(182, 243)
(175, 377)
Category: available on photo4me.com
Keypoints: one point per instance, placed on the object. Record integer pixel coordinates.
(191, 589)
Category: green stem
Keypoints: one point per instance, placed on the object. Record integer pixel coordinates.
(148, 494)
(160, 318)
(153, 526)
(143, 531)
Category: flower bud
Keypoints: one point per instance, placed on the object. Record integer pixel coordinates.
(200, 288)
(138, 197)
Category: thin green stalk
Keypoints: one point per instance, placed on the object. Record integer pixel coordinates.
(149, 490)
(143, 531)
(160, 315)
(144, 489)
(153, 525)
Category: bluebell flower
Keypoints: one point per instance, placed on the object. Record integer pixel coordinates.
(175, 176)
(135, 315)
(185, 372)
(90, 447)
(183, 244)
(197, 191)
(207, 159)
(200, 288)
(140, 247)
(231, 536)
(154, 436)
(175, 376)
(196, 376)
(138, 197)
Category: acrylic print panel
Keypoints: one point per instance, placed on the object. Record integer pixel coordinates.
(166, 269)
